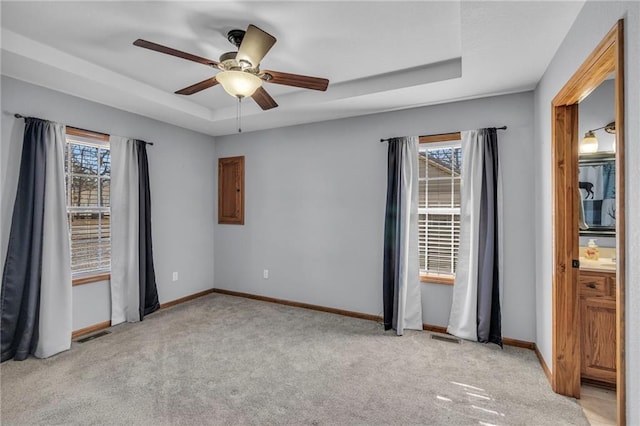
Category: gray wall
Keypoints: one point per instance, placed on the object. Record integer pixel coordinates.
(591, 25)
(183, 186)
(315, 197)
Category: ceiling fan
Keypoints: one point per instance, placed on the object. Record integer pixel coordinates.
(240, 73)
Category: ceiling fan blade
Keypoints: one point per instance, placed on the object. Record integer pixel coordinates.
(195, 88)
(255, 44)
(296, 80)
(263, 99)
(173, 52)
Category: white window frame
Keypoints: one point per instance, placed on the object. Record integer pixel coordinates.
(98, 274)
(425, 275)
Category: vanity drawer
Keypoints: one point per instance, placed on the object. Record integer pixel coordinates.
(593, 285)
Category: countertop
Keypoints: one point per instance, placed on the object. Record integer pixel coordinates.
(604, 264)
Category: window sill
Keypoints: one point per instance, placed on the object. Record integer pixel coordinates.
(437, 279)
(87, 279)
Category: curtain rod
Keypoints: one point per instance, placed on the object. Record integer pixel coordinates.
(80, 128)
(440, 134)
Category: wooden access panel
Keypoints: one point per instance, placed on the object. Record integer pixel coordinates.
(231, 190)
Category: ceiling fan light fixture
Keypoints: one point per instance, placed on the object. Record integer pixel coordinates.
(239, 84)
(589, 143)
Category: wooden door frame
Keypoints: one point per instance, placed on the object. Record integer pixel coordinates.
(607, 57)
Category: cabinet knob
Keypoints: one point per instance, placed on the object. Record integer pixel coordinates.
(591, 285)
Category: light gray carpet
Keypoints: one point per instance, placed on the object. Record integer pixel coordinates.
(227, 360)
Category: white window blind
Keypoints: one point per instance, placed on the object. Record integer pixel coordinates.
(88, 178)
(439, 207)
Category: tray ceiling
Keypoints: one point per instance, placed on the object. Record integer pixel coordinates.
(378, 56)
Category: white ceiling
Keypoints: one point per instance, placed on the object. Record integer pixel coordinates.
(378, 56)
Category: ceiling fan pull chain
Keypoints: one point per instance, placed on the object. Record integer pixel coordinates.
(239, 115)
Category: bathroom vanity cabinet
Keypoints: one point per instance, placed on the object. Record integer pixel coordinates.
(598, 325)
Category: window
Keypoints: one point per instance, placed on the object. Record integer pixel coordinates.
(439, 210)
(88, 178)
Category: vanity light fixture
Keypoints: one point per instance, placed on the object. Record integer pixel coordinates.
(589, 143)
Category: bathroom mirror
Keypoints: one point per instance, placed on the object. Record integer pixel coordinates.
(597, 163)
(597, 184)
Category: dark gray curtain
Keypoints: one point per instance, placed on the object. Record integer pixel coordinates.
(148, 290)
(489, 316)
(20, 297)
(391, 262)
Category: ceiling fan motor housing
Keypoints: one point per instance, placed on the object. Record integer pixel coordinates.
(228, 62)
(235, 37)
(229, 56)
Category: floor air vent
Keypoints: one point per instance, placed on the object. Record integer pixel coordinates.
(93, 336)
(445, 338)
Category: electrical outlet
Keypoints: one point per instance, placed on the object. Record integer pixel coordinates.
(174, 277)
(265, 274)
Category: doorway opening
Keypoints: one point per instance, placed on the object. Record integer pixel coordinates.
(607, 58)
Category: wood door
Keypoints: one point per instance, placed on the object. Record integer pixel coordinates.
(598, 323)
(231, 190)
